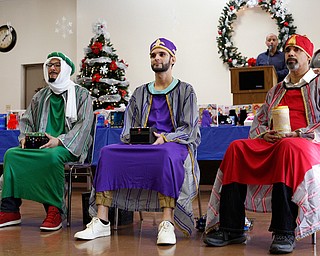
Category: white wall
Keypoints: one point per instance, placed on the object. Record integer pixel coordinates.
(133, 25)
(35, 22)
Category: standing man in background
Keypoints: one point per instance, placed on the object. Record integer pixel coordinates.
(273, 57)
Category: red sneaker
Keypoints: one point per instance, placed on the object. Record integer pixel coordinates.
(53, 220)
(9, 219)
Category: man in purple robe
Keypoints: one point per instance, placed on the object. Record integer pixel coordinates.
(163, 176)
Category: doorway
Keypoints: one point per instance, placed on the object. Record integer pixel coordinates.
(34, 81)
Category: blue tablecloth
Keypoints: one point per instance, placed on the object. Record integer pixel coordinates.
(214, 141)
(8, 139)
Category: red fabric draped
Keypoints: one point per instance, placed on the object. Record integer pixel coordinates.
(257, 162)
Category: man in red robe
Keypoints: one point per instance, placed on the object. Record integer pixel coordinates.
(272, 171)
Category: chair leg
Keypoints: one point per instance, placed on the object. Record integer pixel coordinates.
(199, 203)
(314, 238)
(141, 220)
(141, 217)
(69, 198)
(89, 179)
(116, 216)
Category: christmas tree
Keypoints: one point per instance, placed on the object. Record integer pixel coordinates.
(102, 73)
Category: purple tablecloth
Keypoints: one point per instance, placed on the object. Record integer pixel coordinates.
(151, 167)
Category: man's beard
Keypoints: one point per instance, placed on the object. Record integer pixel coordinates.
(52, 79)
(164, 68)
(292, 65)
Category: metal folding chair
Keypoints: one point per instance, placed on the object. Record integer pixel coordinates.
(75, 169)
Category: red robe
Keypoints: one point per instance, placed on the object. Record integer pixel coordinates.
(257, 162)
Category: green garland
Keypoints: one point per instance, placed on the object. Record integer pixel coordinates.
(228, 52)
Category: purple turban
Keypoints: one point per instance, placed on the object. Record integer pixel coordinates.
(164, 44)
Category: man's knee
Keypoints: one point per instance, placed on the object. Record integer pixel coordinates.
(166, 201)
(104, 198)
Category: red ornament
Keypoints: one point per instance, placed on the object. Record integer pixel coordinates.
(110, 107)
(273, 2)
(230, 60)
(113, 65)
(96, 77)
(220, 32)
(286, 24)
(96, 48)
(231, 7)
(122, 92)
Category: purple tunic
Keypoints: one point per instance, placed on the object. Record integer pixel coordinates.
(160, 115)
(151, 167)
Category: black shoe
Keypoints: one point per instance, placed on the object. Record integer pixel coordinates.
(282, 243)
(223, 238)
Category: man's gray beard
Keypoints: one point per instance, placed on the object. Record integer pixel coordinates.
(164, 68)
(51, 79)
(293, 66)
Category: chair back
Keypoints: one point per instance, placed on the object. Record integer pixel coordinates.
(89, 157)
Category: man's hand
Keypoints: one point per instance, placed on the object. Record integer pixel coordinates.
(291, 134)
(159, 139)
(23, 143)
(271, 136)
(52, 143)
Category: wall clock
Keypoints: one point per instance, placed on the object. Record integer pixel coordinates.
(8, 38)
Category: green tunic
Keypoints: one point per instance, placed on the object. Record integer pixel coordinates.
(38, 174)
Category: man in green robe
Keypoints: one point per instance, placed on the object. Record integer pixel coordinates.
(63, 111)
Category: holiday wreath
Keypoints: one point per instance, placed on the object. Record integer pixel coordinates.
(228, 52)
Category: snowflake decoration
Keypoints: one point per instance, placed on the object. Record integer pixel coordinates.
(64, 27)
(104, 70)
(113, 89)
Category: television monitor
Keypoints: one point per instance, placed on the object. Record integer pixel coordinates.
(253, 80)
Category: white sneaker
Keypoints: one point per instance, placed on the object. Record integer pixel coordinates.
(94, 230)
(166, 235)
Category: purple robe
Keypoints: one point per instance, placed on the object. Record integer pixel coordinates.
(152, 167)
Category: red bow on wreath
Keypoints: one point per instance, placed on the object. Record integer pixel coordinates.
(252, 62)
